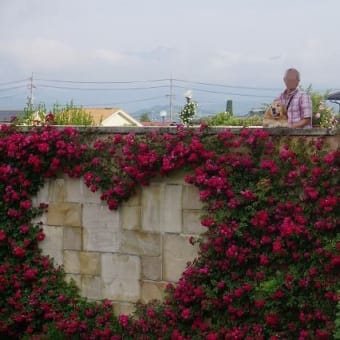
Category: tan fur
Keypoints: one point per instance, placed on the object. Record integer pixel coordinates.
(275, 116)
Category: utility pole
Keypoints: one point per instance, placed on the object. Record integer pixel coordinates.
(31, 86)
(171, 96)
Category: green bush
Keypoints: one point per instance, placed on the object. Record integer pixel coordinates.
(227, 119)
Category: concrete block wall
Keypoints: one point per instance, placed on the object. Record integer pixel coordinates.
(127, 255)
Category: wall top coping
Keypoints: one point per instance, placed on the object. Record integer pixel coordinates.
(278, 131)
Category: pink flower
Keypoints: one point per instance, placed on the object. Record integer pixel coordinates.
(264, 260)
(24, 229)
(124, 320)
(19, 252)
(26, 205)
(2, 235)
(212, 336)
(30, 274)
(277, 247)
(40, 236)
(272, 320)
(186, 313)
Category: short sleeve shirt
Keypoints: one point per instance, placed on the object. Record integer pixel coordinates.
(300, 106)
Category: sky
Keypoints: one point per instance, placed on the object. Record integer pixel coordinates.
(124, 52)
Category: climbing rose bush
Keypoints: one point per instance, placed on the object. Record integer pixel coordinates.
(268, 265)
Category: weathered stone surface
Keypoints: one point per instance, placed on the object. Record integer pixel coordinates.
(64, 214)
(192, 222)
(131, 217)
(74, 277)
(42, 195)
(151, 197)
(176, 177)
(191, 198)
(152, 291)
(52, 245)
(87, 196)
(57, 190)
(72, 238)
(152, 268)
(121, 275)
(89, 263)
(91, 287)
(120, 308)
(177, 251)
(72, 261)
(134, 200)
(140, 243)
(171, 209)
(101, 231)
(74, 189)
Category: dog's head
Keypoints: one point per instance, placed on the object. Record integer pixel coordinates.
(276, 115)
(277, 111)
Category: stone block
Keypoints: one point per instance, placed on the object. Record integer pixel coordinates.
(135, 199)
(57, 190)
(72, 238)
(120, 308)
(89, 263)
(42, 195)
(176, 177)
(91, 287)
(101, 229)
(191, 198)
(87, 196)
(151, 197)
(152, 291)
(140, 243)
(64, 214)
(171, 209)
(177, 251)
(152, 268)
(74, 189)
(71, 262)
(76, 278)
(131, 217)
(192, 222)
(52, 245)
(121, 277)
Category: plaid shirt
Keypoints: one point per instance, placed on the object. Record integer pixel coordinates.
(300, 106)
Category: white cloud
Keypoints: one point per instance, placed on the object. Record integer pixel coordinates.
(109, 55)
(43, 55)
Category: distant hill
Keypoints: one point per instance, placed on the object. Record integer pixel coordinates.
(241, 108)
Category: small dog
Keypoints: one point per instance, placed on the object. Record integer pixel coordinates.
(275, 116)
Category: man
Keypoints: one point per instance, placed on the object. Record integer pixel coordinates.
(297, 102)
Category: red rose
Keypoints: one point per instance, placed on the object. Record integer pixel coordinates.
(2, 235)
(19, 252)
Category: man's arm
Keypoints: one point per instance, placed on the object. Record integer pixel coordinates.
(306, 112)
(301, 123)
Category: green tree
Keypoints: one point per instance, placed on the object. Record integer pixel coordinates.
(230, 107)
(71, 115)
(144, 118)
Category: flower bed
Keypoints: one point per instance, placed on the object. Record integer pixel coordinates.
(268, 266)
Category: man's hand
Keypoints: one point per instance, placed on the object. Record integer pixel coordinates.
(301, 123)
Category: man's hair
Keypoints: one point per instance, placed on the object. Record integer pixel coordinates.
(293, 70)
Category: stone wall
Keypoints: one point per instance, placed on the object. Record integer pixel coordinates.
(127, 255)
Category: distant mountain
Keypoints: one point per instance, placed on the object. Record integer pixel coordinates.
(241, 108)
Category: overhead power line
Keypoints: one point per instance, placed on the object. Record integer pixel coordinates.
(102, 89)
(12, 88)
(224, 93)
(228, 86)
(13, 82)
(159, 80)
(101, 82)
